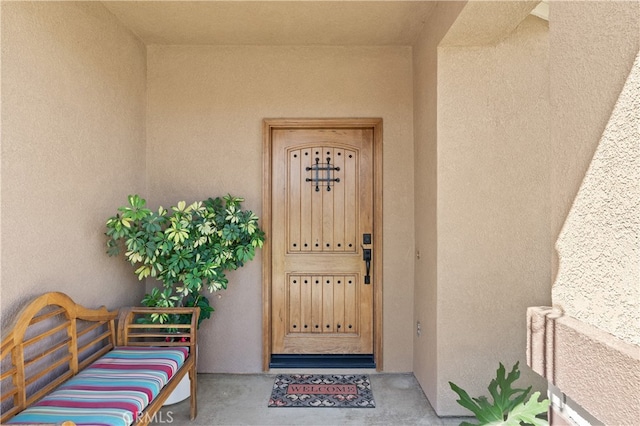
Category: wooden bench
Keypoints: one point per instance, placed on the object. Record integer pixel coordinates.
(53, 339)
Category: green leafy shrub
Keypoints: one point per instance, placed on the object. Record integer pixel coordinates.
(188, 248)
(509, 407)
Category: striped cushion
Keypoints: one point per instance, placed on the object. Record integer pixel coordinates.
(114, 390)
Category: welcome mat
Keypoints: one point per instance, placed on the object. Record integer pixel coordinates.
(322, 390)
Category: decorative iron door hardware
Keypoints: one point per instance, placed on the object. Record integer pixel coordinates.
(316, 179)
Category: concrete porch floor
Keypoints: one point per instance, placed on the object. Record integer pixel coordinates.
(241, 399)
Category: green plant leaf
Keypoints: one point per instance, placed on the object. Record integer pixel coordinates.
(505, 398)
(466, 401)
(508, 407)
(143, 272)
(200, 301)
(489, 412)
(526, 413)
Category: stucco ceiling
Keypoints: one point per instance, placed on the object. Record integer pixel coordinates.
(274, 22)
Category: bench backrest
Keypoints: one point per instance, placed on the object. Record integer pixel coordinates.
(141, 326)
(51, 340)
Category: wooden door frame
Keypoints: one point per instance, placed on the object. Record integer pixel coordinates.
(271, 124)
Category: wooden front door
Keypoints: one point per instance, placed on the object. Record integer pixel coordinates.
(323, 237)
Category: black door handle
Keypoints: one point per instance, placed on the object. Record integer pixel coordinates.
(366, 256)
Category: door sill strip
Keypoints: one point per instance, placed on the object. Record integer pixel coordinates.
(322, 361)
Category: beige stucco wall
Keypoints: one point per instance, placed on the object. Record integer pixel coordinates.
(425, 303)
(482, 23)
(595, 148)
(205, 111)
(73, 147)
(593, 45)
(598, 280)
(593, 374)
(493, 241)
(599, 274)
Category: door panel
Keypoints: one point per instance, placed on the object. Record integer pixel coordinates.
(318, 236)
(322, 203)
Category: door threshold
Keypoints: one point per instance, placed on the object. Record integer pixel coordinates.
(322, 361)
